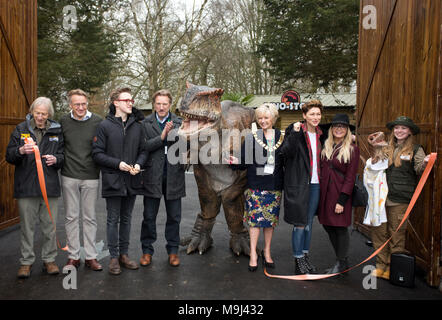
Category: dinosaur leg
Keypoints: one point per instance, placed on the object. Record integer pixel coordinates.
(233, 205)
(210, 203)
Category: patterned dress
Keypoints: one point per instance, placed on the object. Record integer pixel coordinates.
(262, 208)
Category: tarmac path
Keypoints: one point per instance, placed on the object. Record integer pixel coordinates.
(216, 275)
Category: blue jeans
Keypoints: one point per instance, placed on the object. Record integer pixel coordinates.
(301, 237)
(119, 216)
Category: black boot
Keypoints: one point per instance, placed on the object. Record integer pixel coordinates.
(301, 266)
(340, 266)
(311, 268)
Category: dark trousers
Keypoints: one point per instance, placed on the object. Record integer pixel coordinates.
(340, 240)
(149, 229)
(119, 216)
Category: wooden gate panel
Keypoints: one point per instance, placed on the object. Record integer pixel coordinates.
(18, 87)
(399, 74)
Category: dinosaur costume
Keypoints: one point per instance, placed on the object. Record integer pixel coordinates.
(208, 126)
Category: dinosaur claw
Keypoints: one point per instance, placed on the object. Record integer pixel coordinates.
(239, 243)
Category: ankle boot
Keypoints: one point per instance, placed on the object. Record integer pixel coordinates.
(301, 266)
(311, 268)
(340, 266)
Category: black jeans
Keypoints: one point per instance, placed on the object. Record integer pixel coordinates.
(340, 240)
(119, 216)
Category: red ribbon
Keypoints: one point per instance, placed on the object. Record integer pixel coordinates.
(42, 182)
(416, 194)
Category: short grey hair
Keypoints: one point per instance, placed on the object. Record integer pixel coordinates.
(43, 101)
(268, 107)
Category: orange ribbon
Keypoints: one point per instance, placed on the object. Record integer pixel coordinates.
(42, 182)
(416, 194)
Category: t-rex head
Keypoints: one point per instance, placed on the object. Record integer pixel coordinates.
(201, 105)
(378, 143)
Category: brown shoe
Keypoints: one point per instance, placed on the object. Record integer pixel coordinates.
(51, 268)
(146, 260)
(127, 263)
(114, 267)
(24, 271)
(72, 262)
(93, 265)
(174, 260)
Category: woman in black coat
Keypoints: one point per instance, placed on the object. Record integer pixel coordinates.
(301, 149)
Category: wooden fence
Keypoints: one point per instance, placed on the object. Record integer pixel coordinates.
(18, 87)
(400, 73)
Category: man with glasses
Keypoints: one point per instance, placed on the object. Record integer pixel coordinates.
(80, 178)
(118, 148)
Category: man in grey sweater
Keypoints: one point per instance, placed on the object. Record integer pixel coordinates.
(80, 179)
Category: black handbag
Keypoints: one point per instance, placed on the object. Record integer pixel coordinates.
(360, 194)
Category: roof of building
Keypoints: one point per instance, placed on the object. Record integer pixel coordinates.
(327, 99)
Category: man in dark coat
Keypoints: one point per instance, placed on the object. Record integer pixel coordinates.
(118, 149)
(47, 135)
(161, 178)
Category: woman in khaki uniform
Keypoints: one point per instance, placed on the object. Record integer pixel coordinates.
(406, 161)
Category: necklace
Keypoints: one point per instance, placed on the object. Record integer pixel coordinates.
(269, 147)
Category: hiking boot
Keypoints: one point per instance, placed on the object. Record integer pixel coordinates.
(24, 271)
(386, 274)
(340, 266)
(378, 272)
(51, 268)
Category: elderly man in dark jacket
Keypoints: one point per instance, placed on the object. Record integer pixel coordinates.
(118, 149)
(161, 178)
(47, 135)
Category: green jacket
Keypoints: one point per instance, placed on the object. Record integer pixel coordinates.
(402, 181)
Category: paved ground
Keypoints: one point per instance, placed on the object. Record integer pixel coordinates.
(216, 275)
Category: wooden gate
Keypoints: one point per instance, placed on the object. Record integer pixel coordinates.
(400, 73)
(18, 87)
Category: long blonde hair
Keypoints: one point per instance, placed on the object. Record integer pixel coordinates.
(407, 149)
(345, 150)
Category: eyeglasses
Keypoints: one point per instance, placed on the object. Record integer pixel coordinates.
(339, 125)
(126, 100)
(84, 104)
